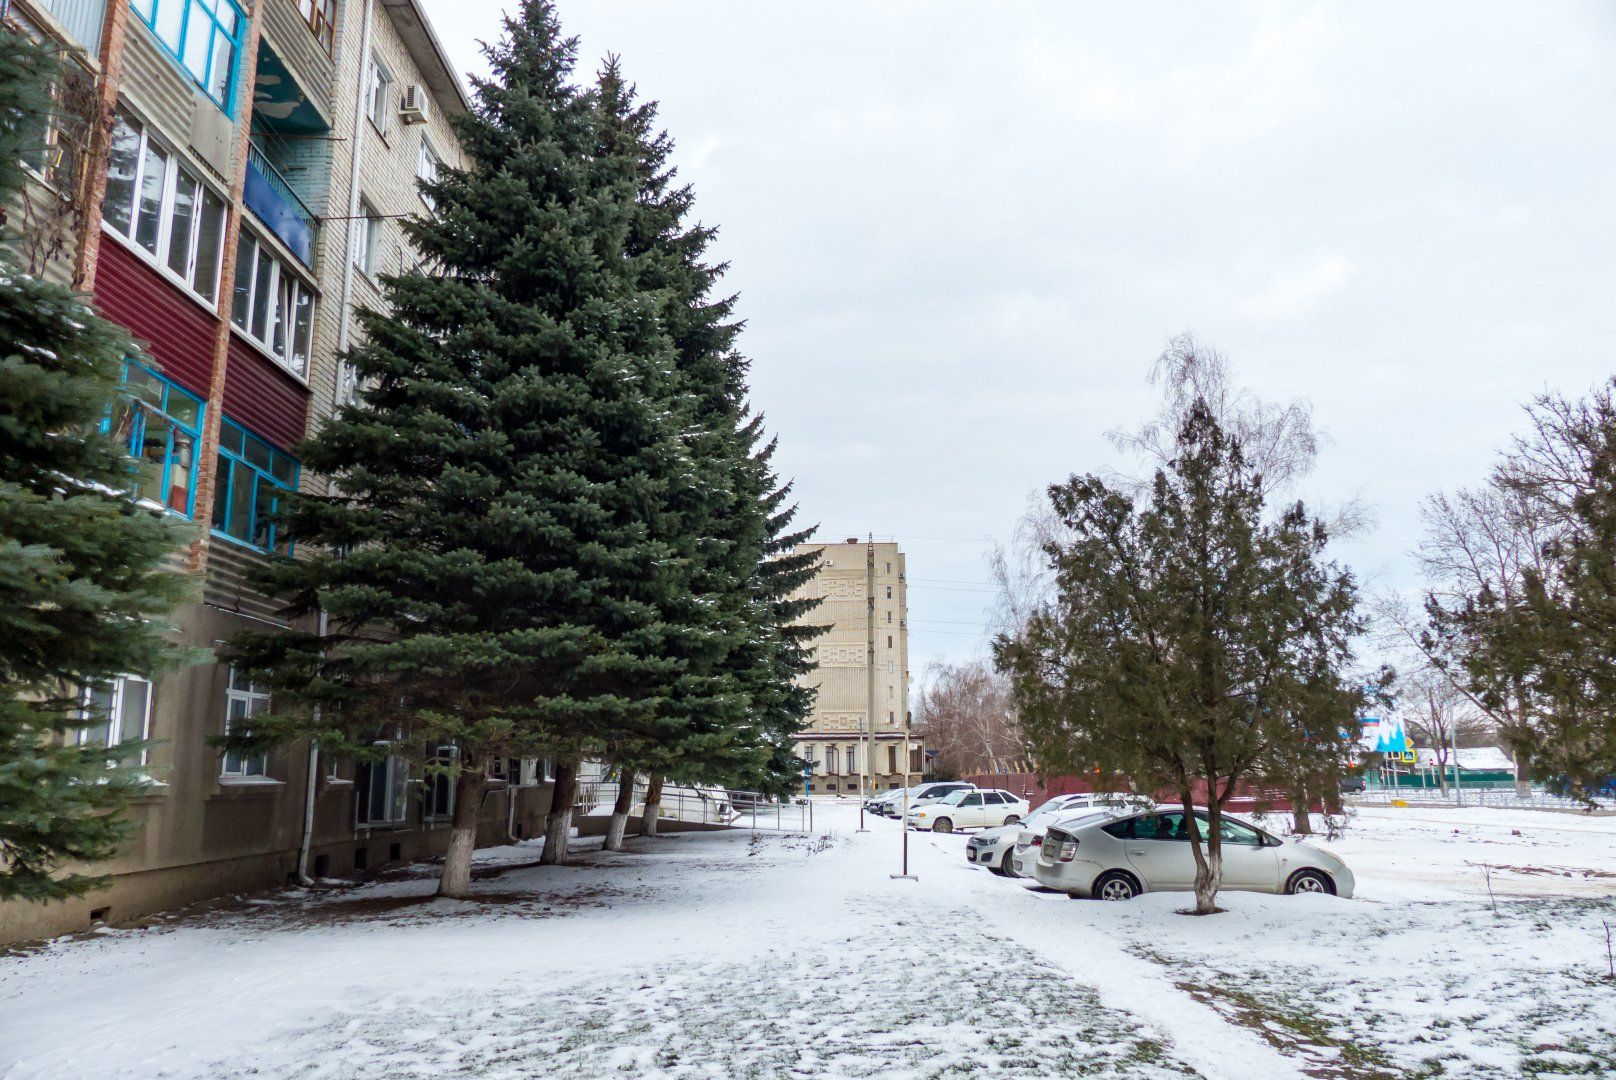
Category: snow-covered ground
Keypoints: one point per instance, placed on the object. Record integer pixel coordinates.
(728, 954)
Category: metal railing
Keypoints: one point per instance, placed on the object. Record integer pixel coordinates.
(1502, 797)
(748, 810)
(294, 207)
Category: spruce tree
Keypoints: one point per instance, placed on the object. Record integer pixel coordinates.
(723, 724)
(83, 590)
(496, 558)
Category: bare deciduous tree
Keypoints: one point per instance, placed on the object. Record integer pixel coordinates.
(964, 713)
(1439, 716)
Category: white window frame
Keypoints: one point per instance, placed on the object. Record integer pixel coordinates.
(395, 773)
(117, 719)
(427, 166)
(285, 306)
(378, 93)
(173, 165)
(254, 701)
(450, 753)
(367, 231)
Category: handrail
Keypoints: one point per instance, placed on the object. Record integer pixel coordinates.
(258, 159)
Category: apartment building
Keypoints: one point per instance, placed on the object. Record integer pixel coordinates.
(242, 196)
(858, 736)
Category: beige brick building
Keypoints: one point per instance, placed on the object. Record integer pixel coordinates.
(866, 609)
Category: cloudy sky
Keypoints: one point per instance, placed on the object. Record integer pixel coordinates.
(963, 230)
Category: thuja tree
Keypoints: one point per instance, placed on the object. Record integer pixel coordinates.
(1193, 642)
(83, 592)
(495, 558)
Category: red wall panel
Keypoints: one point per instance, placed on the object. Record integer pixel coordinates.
(260, 396)
(176, 330)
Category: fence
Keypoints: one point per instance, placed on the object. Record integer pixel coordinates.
(1038, 790)
(1501, 796)
(712, 807)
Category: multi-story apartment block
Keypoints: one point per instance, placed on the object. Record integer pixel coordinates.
(228, 183)
(858, 736)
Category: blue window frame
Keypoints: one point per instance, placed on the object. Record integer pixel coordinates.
(253, 476)
(204, 37)
(160, 424)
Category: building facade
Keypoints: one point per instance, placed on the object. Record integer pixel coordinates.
(228, 184)
(858, 737)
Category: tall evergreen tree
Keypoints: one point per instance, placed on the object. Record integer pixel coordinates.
(723, 724)
(83, 590)
(497, 559)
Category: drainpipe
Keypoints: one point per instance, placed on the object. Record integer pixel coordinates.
(308, 795)
(357, 143)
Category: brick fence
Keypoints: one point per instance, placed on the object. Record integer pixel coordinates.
(1038, 790)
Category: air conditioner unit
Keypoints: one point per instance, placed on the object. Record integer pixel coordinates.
(416, 108)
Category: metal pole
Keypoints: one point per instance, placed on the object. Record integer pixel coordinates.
(906, 875)
(1453, 754)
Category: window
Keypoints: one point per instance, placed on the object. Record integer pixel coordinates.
(889, 618)
(159, 204)
(440, 785)
(971, 800)
(378, 93)
(367, 237)
(272, 305)
(889, 592)
(892, 759)
(252, 478)
(1160, 827)
(116, 713)
(321, 15)
(1232, 832)
(383, 791)
(244, 699)
(889, 641)
(426, 169)
(204, 36)
(160, 425)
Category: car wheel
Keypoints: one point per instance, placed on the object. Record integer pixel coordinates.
(1008, 866)
(1011, 819)
(1115, 885)
(942, 824)
(1310, 881)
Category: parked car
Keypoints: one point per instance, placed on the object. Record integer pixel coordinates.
(1120, 858)
(996, 848)
(877, 798)
(922, 794)
(972, 809)
(1030, 833)
(1353, 785)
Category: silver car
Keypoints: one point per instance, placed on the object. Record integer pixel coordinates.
(1120, 858)
(996, 848)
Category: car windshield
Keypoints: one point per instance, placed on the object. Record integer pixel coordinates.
(953, 797)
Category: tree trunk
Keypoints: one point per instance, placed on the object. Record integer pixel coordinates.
(653, 806)
(620, 809)
(558, 825)
(456, 879)
(1300, 824)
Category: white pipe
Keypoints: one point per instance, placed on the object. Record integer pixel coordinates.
(313, 782)
(357, 143)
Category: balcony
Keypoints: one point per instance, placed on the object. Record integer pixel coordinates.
(80, 18)
(271, 199)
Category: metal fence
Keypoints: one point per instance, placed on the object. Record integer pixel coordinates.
(749, 810)
(1503, 797)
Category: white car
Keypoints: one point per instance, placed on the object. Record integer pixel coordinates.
(1119, 858)
(972, 809)
(921, 794)
(997, 848)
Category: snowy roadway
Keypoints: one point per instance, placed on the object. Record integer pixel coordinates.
(733, 955)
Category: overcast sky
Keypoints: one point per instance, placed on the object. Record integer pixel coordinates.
(962, 232)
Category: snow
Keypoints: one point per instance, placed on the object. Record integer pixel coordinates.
(735, 954)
